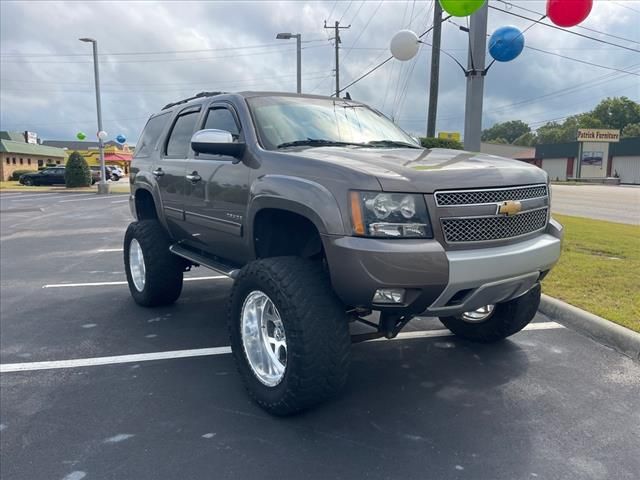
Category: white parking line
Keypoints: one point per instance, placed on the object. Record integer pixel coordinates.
(97, 197)
(101, 284)
(198, 352)
(103, 250)
(121, 201)
(35, 195)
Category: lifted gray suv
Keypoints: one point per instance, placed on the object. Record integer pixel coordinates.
(322, 211)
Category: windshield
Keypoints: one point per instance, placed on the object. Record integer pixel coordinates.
(291, 121)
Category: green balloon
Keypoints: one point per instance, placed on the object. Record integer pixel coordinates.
(80, 136)
(461, 8)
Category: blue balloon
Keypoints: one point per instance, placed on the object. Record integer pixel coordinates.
(506, 43)
(121, 138)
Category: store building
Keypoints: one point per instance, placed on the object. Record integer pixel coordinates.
(20, 151)
(606, 162)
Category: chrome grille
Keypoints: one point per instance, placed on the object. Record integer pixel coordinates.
(478, 229)
(477, 197)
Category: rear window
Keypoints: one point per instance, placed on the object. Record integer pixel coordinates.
(151, 134)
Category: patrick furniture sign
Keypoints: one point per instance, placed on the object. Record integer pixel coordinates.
(598, 135)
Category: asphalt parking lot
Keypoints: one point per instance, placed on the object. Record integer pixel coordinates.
(546, 404)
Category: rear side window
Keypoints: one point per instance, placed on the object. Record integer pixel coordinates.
(180, 137)
(150, 135)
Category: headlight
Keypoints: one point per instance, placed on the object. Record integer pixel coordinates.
(390, 215)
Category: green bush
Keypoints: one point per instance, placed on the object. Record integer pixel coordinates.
(15, 176)
(431, 142)
(77, 172)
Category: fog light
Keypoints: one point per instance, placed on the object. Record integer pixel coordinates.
(389, 295)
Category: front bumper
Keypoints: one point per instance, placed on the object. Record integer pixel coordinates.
(438, 282)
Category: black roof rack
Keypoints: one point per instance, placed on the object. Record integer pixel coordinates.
(198, 95)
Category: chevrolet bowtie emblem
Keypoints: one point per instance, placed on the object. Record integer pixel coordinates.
(510, 207)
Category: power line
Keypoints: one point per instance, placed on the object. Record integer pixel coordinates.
(626, 6)
(581, 61)
(161, 84)
(349, 49)
(607, 78)
(345, 11)
(549, 25)
(366, 74)
(615, 69)
(510, 5)
(156, 52)
(229, 86)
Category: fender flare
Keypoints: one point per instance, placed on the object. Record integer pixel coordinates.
(297, 195)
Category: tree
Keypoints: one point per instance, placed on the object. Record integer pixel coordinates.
(617, 112)
(631, 130)
(431, 142)
(528, 139)
(77, 172)
(508, 131)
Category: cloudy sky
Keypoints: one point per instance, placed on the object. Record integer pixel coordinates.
(153, 53)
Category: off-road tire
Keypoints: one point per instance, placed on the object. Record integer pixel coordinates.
(163, 269)
(316, 328)
(507, 318)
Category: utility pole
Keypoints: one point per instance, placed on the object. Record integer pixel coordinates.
(475, 79)
(435, 70)
(337, 28)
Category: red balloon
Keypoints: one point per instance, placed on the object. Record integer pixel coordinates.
(568, 13)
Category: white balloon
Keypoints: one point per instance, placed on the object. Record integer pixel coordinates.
(404, 45)
(102, 134)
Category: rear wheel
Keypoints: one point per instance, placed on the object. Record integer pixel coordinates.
(492, 323)
(154, 274)
(289, 334)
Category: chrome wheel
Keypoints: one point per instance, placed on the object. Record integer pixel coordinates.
(263, 338)
(136, 265)
(478, 315)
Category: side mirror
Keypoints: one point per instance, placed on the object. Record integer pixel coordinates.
(216, 142)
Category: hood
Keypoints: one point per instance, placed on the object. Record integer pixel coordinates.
(413, 170)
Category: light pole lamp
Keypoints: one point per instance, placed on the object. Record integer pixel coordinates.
(102, 185)
(298, 37)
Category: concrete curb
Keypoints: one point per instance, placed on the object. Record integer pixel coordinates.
(597, 328)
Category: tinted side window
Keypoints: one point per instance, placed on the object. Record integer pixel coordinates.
(181, 133)
(222, 119)
(150, 135)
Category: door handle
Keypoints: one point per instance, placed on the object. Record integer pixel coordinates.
(194, 177)
(158, 172)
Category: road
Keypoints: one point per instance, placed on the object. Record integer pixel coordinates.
(602, 202)
(547, 403)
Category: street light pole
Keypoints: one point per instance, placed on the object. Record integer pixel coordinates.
(298, 37)
(102, 185)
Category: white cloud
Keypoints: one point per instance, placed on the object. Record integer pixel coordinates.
(57, 100)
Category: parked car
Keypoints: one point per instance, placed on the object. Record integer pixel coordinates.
(116, 173)
(46, 176)
(96, 173)
(322, 211)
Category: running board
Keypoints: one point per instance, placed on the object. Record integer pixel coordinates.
(199, 259)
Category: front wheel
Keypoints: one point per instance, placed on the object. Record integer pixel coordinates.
(28, 182)
(289, 334)
(154, 274)
(495, 322)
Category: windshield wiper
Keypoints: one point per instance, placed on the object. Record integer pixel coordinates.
(391, 143)
(317, 142)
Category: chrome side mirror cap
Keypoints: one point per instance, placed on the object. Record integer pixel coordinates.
(216, 142)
